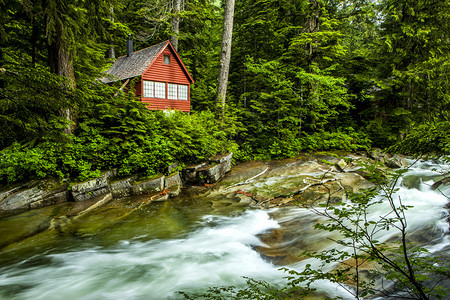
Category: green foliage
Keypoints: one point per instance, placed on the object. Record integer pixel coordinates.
(348, 140)
(18, 163)
(30, 104)
(197, 136)
(291, 145)
(199, 47)
(426, 139)
(305, 75)
(291, 95)
(255, 289)
(412, 72)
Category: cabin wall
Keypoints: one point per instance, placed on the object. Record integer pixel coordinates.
(168, 73)
(172, 73)
(163, 104)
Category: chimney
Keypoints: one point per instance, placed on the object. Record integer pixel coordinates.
(129, 46)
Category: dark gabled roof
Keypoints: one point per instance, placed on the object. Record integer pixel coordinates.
(128, 67)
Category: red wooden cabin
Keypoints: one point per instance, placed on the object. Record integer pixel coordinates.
(164, 82)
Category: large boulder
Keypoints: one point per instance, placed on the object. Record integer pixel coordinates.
(209, 174)
(224, 160)
(301, 181)
(442, 182)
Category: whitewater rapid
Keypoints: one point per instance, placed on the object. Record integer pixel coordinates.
(219, 251)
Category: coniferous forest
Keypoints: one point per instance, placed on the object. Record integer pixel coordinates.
(303, 75)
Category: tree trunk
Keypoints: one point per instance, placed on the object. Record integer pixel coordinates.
(176, 23)
(313, 25)
(227, 36)
(61, 63)
(111, 50)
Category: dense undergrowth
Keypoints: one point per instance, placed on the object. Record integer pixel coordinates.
(118, 132)
(112, 132)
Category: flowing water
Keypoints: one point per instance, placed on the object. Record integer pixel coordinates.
(189, 244)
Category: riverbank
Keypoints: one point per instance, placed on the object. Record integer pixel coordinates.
(308, 179)
(42, 193)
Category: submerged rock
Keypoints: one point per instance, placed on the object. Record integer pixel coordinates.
(443, 181)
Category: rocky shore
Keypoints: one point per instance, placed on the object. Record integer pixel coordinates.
(98, 204)
(37, 194)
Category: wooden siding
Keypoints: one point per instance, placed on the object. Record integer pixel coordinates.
(173, 73)
(167, 73)
(162, 104)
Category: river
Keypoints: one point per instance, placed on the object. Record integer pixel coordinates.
(189, 243)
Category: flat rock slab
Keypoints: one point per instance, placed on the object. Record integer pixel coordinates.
(33, 195)
(304, 180)
(92, 188)
(243, 172)
(148, 186)
(121, 188)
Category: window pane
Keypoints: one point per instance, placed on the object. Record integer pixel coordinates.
(166, 59)
(183, 92)
(172, 91)
(149, 90)
(160, 90)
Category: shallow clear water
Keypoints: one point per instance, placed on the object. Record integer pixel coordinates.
(188, 244)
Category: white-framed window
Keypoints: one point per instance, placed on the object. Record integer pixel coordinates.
(149, 89)
(166, 59)
(172, 91)
(183, 92)
(160, 90)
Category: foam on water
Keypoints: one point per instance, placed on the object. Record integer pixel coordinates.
(218, 253)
